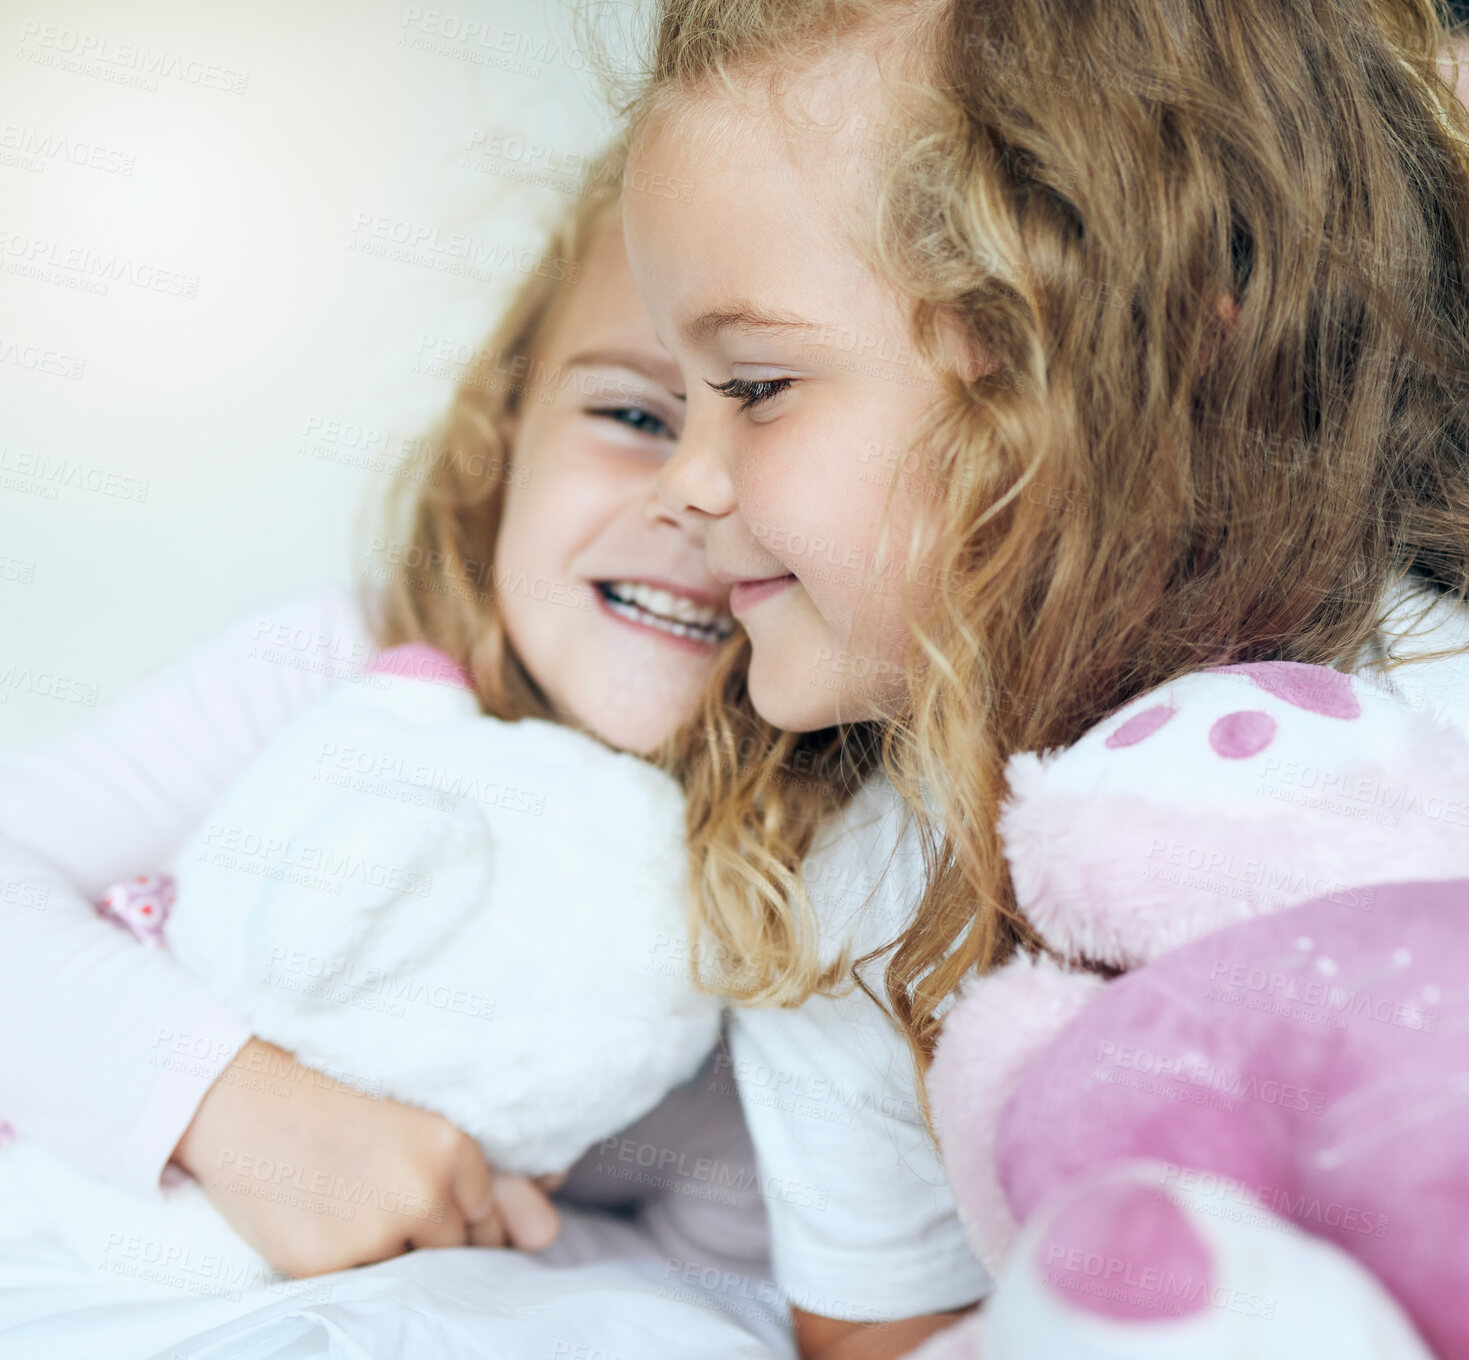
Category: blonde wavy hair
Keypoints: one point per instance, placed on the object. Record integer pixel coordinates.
(439, 525)
(440, 519)
(1217, 251)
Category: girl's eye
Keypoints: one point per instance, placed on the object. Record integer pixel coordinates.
(751, 392)
(635, 418)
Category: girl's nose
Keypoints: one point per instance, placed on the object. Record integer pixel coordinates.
(696, 479)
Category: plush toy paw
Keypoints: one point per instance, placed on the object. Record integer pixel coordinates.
(1131, 1264)
(1312, 1061)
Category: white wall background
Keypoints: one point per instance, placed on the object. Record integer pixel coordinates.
(189, 193)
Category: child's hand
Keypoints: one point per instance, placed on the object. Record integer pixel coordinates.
(317, 1176)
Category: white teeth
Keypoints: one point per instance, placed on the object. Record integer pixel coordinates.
(676, 614)
(665, 603)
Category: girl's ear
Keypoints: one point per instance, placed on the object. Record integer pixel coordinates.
(961, 350)
(1226, 309)
(974, 363)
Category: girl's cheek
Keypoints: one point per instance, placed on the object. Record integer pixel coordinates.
(774, 478)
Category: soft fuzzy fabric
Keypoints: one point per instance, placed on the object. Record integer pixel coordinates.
(1184, 826)
(989, 1039)
(1132, 1265)
(479, 917)
(1121, 849)
(1142, 837)
(1311, 1063)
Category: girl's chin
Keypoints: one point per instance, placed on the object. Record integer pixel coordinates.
(639, 732)
(784, 702)
(809, 699)
(635, 701)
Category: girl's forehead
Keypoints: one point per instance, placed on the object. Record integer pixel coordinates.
(755, 223)
(776, 182)
(601, 309)
(748, 161)
(821, 112)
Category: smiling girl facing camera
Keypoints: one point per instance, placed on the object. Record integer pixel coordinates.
(528, 571)
(1037, 355)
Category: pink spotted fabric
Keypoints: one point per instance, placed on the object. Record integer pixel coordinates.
(1242, 734)
(1317, 689)
(1246, 732)
(140, 905)
(1140, 726)
(1225, 794)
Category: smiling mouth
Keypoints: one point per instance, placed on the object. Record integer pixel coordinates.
(666, 611)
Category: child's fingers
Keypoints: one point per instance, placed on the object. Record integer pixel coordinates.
(532, 1222)
(449, 1231)
(472, 1184)
(488, 1232)
(473, 1190)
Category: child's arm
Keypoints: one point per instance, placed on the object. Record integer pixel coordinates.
(361, 1179)
(866, 1241)
(865, 1237)
(819, 1338)
(120, 1057)
(115, 1045)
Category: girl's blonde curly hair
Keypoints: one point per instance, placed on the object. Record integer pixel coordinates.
(1217, 253)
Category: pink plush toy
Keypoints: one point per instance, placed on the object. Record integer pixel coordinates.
(1256, 1143)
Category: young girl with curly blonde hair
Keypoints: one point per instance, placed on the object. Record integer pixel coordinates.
(525, 556)
(1036, 355)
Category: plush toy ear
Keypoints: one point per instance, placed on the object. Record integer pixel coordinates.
(989, 1038)
(1226, 795)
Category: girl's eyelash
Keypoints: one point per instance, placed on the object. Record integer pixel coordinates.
(635, 418)
(751, 392)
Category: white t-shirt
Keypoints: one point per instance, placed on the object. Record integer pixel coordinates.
(862, 1221)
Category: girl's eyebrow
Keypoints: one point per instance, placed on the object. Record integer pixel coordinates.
(743, 316)
(662, 371)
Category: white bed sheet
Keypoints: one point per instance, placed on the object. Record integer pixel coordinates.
(609, 1290)
(673, 1266)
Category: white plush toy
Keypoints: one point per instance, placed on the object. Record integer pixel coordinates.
(482, 918)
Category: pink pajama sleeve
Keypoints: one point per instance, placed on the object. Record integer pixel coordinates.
(109, 1046)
